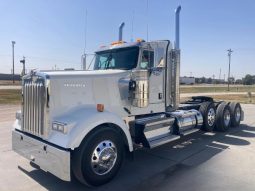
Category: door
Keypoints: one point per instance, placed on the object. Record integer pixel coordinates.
(154, 59)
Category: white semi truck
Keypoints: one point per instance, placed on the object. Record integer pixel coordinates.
(84, 123)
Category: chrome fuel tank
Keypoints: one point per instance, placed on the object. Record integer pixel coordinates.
(188, 119)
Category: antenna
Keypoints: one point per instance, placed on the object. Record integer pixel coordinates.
(147, 20)
(84, 57)
(132, 26)
(85, 32)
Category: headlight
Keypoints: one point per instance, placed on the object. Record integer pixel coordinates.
(58, 126)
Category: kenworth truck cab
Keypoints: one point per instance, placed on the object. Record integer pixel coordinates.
(85, 122)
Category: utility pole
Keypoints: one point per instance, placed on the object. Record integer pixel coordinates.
(220, 74)
(13, 43)
(23, 61)
(229, 62)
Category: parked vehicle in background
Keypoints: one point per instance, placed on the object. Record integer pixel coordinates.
(187, 80)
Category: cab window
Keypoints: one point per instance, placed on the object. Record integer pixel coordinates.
(160, 61)
(122, 58)
(147, 59)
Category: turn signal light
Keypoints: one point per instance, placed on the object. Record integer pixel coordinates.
(100, 107)
(58, 126)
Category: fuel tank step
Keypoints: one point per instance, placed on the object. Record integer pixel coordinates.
(187, 132)
(162, 140)
(153, 131)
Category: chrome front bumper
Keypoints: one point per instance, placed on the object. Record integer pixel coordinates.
(49, 158)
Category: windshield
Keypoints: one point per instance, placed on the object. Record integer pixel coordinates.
(123, 58)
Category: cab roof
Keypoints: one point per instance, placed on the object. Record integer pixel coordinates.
(119, 44)
(123, 44)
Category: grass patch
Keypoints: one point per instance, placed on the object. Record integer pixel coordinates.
(10, 96)
(217, 88)
(9, 83)
(236, 98)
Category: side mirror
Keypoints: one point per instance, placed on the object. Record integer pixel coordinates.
(132, 85)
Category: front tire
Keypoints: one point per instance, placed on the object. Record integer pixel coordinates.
(99, 157)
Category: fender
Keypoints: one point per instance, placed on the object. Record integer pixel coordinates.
(80, 121)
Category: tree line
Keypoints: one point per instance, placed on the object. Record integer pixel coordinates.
(247, 80)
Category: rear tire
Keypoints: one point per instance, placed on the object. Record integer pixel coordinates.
(235, 114)
(99, 157)
(208, 111)
(223, 117)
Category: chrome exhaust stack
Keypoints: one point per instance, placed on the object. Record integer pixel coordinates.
(177, 28)
(175, 91)
(120, 30)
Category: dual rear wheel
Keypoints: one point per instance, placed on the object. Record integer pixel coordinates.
(222, 117)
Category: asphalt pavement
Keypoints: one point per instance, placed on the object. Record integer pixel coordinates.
(200, 162)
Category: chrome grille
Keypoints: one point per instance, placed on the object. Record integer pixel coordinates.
(33, 106)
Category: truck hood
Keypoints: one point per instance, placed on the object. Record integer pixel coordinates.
(69, 89)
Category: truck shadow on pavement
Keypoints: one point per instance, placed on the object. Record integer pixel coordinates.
(150, 167)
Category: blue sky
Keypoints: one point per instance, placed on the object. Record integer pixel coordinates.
(51, 32)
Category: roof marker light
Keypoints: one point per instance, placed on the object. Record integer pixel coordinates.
(117, 43)
(100, 107)
(140, 40)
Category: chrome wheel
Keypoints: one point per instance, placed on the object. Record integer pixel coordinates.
(227, 117)
(211, 117)
(238, 114)
(103, 157)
